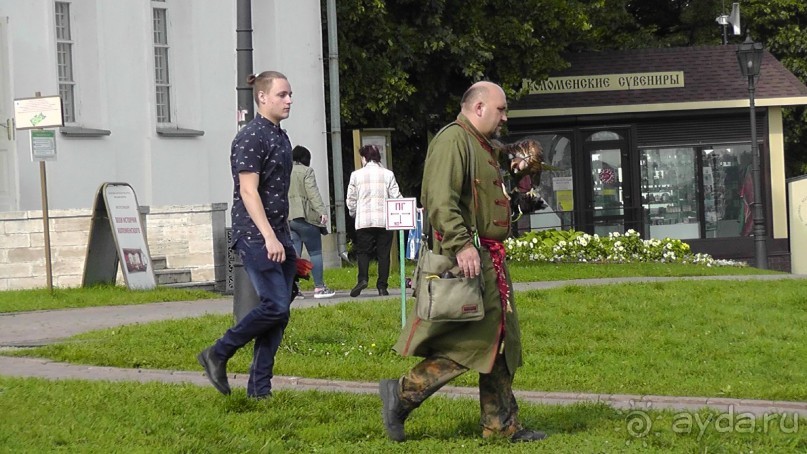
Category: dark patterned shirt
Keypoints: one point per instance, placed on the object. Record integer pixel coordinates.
(262, 147)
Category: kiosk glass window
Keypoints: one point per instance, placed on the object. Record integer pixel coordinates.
(606, 177)
(728, 190)
(670, 192)
(609, 207)
(603, 136)
(555, 186)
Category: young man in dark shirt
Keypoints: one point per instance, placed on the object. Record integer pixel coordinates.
(261, 163)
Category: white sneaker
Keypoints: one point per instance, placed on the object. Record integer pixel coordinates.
(323, 292)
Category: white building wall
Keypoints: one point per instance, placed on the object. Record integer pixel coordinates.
(114, 72)
(32, 69)
(288, 38)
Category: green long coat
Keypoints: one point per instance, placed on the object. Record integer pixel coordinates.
(447, 196)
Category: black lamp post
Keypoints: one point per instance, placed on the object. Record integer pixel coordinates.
(749, 55)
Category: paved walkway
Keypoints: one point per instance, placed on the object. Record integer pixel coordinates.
(42, 327)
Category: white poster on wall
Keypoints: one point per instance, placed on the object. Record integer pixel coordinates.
(39, 112)
(381, 143)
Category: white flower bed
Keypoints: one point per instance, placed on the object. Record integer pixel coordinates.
(573, 246)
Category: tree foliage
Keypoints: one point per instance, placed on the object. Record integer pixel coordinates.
(776, 23)
(404, 64)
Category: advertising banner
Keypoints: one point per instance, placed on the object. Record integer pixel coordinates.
(117, 235)
(130, 239)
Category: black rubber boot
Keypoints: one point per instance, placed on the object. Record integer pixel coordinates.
(392, 410)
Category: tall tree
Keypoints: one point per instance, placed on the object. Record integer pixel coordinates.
(404, 64)
(778, 24)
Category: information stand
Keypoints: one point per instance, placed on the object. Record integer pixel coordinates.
(35, 114)
(117, 235)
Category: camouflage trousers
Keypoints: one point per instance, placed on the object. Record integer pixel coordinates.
(496, 400)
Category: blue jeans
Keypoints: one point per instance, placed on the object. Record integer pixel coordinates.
(303, 233)
(267, 322)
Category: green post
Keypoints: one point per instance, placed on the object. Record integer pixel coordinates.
(401, 253)
(400, 216)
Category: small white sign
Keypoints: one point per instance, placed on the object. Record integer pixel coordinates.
(44, 112)
(562, 183)
(401, 213)
(43, 145)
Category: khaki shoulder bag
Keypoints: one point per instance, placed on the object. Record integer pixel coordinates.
(441, 292)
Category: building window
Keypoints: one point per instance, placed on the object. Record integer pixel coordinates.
(728, 190)
(670, 192)
(64, 61)
(555, 187)
(161, 75)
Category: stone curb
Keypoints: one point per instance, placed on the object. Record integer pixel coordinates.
(46, 369)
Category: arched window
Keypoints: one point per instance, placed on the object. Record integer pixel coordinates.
(602, 136)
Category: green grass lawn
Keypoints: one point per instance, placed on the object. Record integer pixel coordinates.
(75, 416)
(340, 279)
(345, 278)
(68, 298)
(521, 272)
(705, 338)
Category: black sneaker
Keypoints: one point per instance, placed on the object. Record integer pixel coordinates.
(358, 288)
(383, 292)
(391, 411)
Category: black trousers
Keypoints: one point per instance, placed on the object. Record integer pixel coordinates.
(374, 242)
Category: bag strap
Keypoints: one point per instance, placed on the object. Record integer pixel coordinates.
(426, 234)
(472, 173)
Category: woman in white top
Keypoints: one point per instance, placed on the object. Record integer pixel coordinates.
(367, 192)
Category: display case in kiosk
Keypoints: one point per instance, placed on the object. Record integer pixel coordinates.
(797, 194)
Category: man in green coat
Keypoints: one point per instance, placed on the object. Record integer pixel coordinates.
(491, 346)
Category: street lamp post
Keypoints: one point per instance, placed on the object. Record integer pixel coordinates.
(749, 55)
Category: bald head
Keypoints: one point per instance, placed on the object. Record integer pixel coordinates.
(484, 104)
(479, 91)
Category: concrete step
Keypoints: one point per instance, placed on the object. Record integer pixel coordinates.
(209, 286)
(159, 262)
(175, 276)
